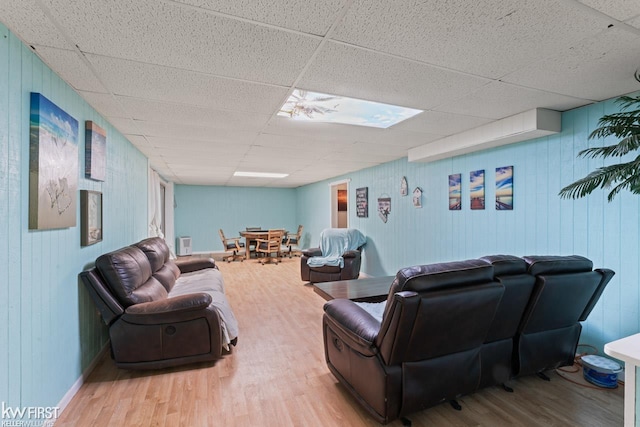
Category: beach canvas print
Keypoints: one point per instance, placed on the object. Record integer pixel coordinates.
(504, 188)
(53, 165)
(95, 152)
(476, 184)
(455, 194)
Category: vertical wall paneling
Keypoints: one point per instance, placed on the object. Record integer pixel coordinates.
(202, 210)
(540, 223)
(50, 328)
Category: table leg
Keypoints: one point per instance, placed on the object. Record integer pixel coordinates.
(629, 395)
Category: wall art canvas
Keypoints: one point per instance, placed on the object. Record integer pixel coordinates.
(95, 152)
(90, 217)
(476, 189)
(362, 202)
(455, 193)
(384, 207)
(504, 188)
(53, 165)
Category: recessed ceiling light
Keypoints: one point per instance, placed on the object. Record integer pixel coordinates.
(260, 174)
(321, 107)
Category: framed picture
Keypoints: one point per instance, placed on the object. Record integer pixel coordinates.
(476, 184)
(504, 188)
(455, 194)
(362, 202)
(90, 217)
(95, 152)
(53, 165)
(384, 207)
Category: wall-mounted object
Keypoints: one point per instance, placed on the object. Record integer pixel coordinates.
(519, 127)
(476, 189)
(404, 186)
(417, 197)
(455, 194)
(384, 207)
(362, 202)
(90, 217)
(53, 165)
(95, 152)
(504, 188)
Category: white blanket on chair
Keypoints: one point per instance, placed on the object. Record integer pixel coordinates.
(334, 242)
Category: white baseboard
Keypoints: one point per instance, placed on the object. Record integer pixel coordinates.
(66, 399)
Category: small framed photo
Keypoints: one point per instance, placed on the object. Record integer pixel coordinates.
(90, 217)
(95, 152)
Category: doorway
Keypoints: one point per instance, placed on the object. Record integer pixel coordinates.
(339, 204)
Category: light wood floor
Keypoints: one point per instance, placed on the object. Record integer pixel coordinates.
(277, 376)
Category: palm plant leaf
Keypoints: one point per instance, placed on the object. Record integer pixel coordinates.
(626, 174)
(624, 125)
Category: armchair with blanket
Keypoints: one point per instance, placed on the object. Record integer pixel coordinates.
(337, 258)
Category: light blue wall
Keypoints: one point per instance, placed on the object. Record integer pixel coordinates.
(50, 331)
(541, 223)
(202, 210)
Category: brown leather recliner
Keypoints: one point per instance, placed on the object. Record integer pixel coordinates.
(426, 349)
(350, 240)
(154, 319)
(565, 292)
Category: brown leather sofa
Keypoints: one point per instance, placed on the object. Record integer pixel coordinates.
(160, 313)
(449, 329)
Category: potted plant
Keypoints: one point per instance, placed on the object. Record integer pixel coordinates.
(624, 125)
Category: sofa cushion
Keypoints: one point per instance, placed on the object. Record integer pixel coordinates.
(162, 267)
(552, 264)
(127, 272)
(506, 265)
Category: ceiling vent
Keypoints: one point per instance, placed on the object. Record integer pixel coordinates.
(520, 127)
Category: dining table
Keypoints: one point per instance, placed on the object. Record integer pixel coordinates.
(251, 236)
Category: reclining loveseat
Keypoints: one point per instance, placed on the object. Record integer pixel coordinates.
(160, 313)
(449, 329)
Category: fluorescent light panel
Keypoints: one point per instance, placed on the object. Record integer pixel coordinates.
(260, 174)
(320, 107)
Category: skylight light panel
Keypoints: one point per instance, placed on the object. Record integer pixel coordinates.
(319, 107)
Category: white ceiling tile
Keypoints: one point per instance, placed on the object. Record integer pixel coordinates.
(499, 100)
(363, 74)
(488, 38)
(595, 69)
(168, 34)
(301, 15)
(439, 123)
(105, 104)
(180, 131)
(70, 66)
(154, 111)
(619, 9)
(26, 18)
(155, 82)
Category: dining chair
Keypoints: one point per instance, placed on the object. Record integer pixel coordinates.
(291, 242)
(271, 246)
(232, 246)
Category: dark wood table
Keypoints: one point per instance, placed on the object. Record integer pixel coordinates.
(371, 289)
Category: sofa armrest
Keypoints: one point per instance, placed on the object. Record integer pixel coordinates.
(311, 252)
(353, 324)
(351, 254)
(181, 308)
(196, 264)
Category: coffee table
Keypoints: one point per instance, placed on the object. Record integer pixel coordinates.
(373, 289)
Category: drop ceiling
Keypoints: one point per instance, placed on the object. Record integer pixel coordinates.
(196, 84)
